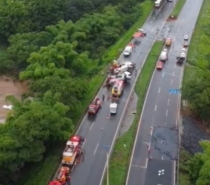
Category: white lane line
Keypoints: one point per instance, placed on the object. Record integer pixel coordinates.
(84, 143)
(168, 101)
(96, 149)
(174, 65)
(91, 126)
(173, 73)
(155, 107)
(166, 113)
(146, 163)
(162, 157)
(174, 173)
(165, 124)
(178, 30)
(176, 122)
(171, 82)
(163, 74)
(159, 90)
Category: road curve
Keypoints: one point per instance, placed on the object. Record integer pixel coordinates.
(99, 141)
(156, 145)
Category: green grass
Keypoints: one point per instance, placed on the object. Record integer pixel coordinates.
(183, 172)
(178, 8)
(121, 156)
(45, 169)
(199, 48)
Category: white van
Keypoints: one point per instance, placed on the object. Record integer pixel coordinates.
(113, 108)
(127, 51)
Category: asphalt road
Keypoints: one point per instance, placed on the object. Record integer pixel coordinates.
(157, 137)
(100, 131)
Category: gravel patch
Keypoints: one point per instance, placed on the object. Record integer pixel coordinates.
(192, 135)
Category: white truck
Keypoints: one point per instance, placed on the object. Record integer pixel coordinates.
(113, 108)
(182, 56)
(127, 51)
(164, 55)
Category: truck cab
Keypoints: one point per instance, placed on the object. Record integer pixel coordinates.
(117, 88)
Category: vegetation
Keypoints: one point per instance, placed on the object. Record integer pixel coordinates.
(178, 7)
(59, 50)
(183, 170)
(196, 85)
(195, 170)
(119, 161)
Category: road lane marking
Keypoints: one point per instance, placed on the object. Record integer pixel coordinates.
(174, 65)
(166, 112)
(163, 74)
(174, 173)
(84, 143)
(168, 101)
(96, 149)
(178, 30)
(159, 90)
(173, 73)
(155, 107)
(146, 163)
(165, 124)
(171, 82)
(162, 157)
(176, 122)
(91, 126)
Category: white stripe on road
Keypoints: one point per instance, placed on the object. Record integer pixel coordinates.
(171, 82)
(155, 107)
(96, 149)
(159, 90)
(91, 126)
(166, 113)
(168, 101)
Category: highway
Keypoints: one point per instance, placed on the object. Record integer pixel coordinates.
(101, 132)
(155, 150)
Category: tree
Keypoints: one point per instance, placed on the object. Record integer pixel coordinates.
(14, 18)
(31, 126)
(197, 91)
(72, 91)
(199, 166)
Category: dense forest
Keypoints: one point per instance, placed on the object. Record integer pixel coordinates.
(57, 47)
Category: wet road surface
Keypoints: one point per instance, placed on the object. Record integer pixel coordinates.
(158, 137)
(101, 132)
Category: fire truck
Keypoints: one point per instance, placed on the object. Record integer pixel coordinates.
(73, 151)
(63, 176)
(94, 106)
(117, 88)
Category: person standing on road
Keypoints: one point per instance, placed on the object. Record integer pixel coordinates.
(103, 97)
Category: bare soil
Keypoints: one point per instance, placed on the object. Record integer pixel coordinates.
(8, 86)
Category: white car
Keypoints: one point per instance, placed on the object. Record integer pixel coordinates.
(186, 37)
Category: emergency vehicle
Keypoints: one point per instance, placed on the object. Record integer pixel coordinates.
(117, 88)
(72, 150)
(63, 177)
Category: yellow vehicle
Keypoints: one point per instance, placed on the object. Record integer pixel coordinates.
(168, 42)
(117, 88)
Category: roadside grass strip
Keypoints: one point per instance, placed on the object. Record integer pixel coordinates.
(199, 47)
(178, 8)
(45, 169)
(183, 159)
(119, 162)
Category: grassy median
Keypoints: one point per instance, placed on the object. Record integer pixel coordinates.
(178, 7)
(45, 169)
(120, 158)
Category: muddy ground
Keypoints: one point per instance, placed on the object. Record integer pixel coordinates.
(193, 132)
(9, 87)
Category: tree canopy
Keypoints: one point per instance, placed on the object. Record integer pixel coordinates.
(199, 166)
